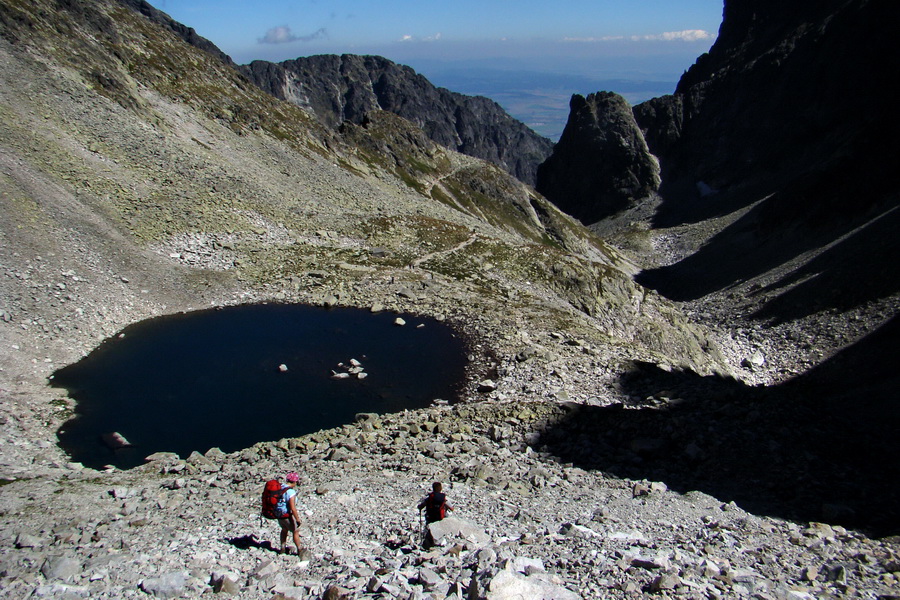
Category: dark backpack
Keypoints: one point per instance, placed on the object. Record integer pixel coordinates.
(272, 505)
(435, 507)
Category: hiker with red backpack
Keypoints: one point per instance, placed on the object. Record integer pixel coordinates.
(435, 504)
(436, 507)
(279, 502)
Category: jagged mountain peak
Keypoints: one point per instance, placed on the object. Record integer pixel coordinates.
(346, 87)
(601, 165)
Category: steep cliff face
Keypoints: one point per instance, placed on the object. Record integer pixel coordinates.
(601, 164)
(345, 88)
(788, 118)
(790, 94)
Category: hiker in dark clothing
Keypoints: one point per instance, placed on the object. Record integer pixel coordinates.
(435, 504)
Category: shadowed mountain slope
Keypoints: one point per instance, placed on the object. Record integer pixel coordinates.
(776, 221)
(790, 114)
(818, 448)
(601, 165)
(777, 146)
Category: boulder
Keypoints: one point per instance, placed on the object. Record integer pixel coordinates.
(509, 585)
(62, 568)
(115, 440)
(665, 582)
(225, 584)
(487, 386)
(454, 527)
(26, 540)
(428, 578)
(168, 585)
(524, 565)
(266, 568)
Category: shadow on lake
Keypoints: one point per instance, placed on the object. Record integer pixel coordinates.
(822, 447)
(214, 378)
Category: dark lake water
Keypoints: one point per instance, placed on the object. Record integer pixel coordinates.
(212, 378)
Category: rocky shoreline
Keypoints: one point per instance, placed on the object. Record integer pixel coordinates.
(524, 523)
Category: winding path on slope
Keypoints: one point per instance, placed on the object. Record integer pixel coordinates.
(430, 255)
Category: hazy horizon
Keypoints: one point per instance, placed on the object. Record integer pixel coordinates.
(530, 60)
(539, 97)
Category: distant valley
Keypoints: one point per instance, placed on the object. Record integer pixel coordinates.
(540, 99)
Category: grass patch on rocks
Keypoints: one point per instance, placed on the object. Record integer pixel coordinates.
(407, 238)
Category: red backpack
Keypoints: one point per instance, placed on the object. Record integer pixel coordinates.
(273, 506)
(436, 507)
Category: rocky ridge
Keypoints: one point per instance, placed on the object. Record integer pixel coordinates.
(169, 185)
(348, 87)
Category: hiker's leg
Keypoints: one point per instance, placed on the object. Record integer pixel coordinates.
(295, 529)
(427, 540)
(284, 532)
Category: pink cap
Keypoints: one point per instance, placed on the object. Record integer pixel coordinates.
(292, 477)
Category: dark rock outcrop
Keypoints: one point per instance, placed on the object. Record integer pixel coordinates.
(790, 112)
(601, 164)
(345, 88)
(791, 94)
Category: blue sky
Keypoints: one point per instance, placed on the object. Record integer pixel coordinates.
(408, 31)
(528, 55)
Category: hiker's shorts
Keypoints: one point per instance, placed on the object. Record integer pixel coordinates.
(287, 524)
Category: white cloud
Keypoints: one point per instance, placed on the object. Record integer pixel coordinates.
(283, 35)
(688, 35)
(413, 38)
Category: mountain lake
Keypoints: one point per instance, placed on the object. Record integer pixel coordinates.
(230, 377)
